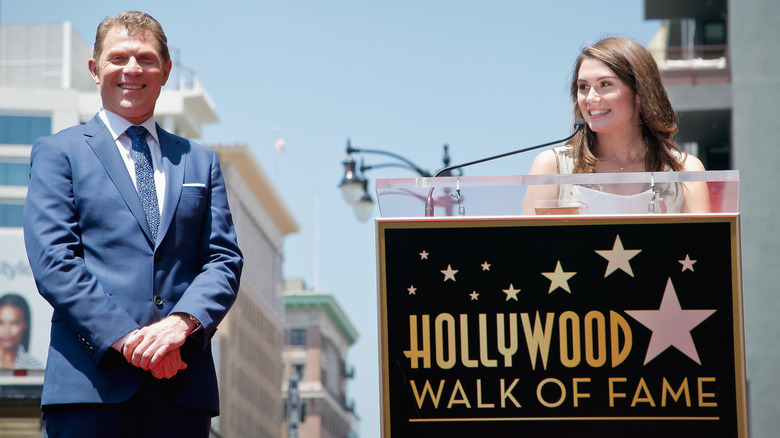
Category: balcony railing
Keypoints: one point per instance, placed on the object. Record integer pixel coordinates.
(694, 65)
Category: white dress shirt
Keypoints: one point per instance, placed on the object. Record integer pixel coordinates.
(117, 127)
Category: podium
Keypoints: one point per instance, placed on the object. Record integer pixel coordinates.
(561, 306)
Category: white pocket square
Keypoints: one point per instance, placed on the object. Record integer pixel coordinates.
(194, 185)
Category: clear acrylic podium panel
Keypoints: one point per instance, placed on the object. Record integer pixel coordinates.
(578, 194)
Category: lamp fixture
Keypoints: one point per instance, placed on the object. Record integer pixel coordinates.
(354, 185)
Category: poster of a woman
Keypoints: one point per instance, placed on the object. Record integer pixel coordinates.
(24, 314)
(15, 333)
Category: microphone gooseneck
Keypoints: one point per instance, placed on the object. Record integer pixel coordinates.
(429, 203)
(578, 124)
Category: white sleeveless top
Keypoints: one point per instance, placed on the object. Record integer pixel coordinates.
(593, 200)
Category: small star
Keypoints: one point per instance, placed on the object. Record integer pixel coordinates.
(618, 258)
(474, 296)
(424, 255)
(687, 263)
(486, 266)
(671, 325)
(449, 273)
(412, 290)
(511, 293)
(559, 278)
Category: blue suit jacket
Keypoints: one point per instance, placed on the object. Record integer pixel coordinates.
(93, 260)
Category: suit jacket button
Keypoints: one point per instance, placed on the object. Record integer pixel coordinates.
(157, 256)
(158, 300)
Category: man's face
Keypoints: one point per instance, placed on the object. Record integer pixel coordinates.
(130, 73)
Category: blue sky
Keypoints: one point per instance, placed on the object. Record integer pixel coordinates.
(404, 76)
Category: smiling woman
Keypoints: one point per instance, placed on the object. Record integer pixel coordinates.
(630, 127)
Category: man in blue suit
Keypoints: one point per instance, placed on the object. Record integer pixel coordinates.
(131, 240)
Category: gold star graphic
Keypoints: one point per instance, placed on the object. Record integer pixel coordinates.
(511, 293)
(618, 258)
(486, 266)
(449, 273)
(558, 278)
(474, 295)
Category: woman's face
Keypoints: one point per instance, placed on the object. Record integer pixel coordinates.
(608, 105)
(12, 326)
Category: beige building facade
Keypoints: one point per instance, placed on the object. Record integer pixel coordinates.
(249, 343)
(317, 337)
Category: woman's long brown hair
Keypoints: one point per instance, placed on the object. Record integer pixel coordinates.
(634, 65)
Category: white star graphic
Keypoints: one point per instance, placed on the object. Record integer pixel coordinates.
(424, 255)
(449, 273)
(687, 263)
(671, 325)
(618, 257)
(412, 290)
(474, 295)
(511, 293)
(559, 278)
(486, 266)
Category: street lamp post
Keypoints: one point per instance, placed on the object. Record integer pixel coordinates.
(354, 185)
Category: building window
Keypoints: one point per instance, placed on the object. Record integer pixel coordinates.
(14, 173)
(298, 336)
(714, 32)
(23, 129)
(11, 215)
(298, 370)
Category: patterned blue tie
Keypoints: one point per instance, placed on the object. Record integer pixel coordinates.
(144, 176)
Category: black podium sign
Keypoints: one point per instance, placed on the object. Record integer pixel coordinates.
(556, 327)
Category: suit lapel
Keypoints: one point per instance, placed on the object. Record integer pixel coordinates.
(102, 143)
(174, 158)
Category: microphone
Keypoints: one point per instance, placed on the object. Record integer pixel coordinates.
(578, 124)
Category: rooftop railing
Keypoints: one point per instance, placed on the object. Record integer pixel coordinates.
(692, 65)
